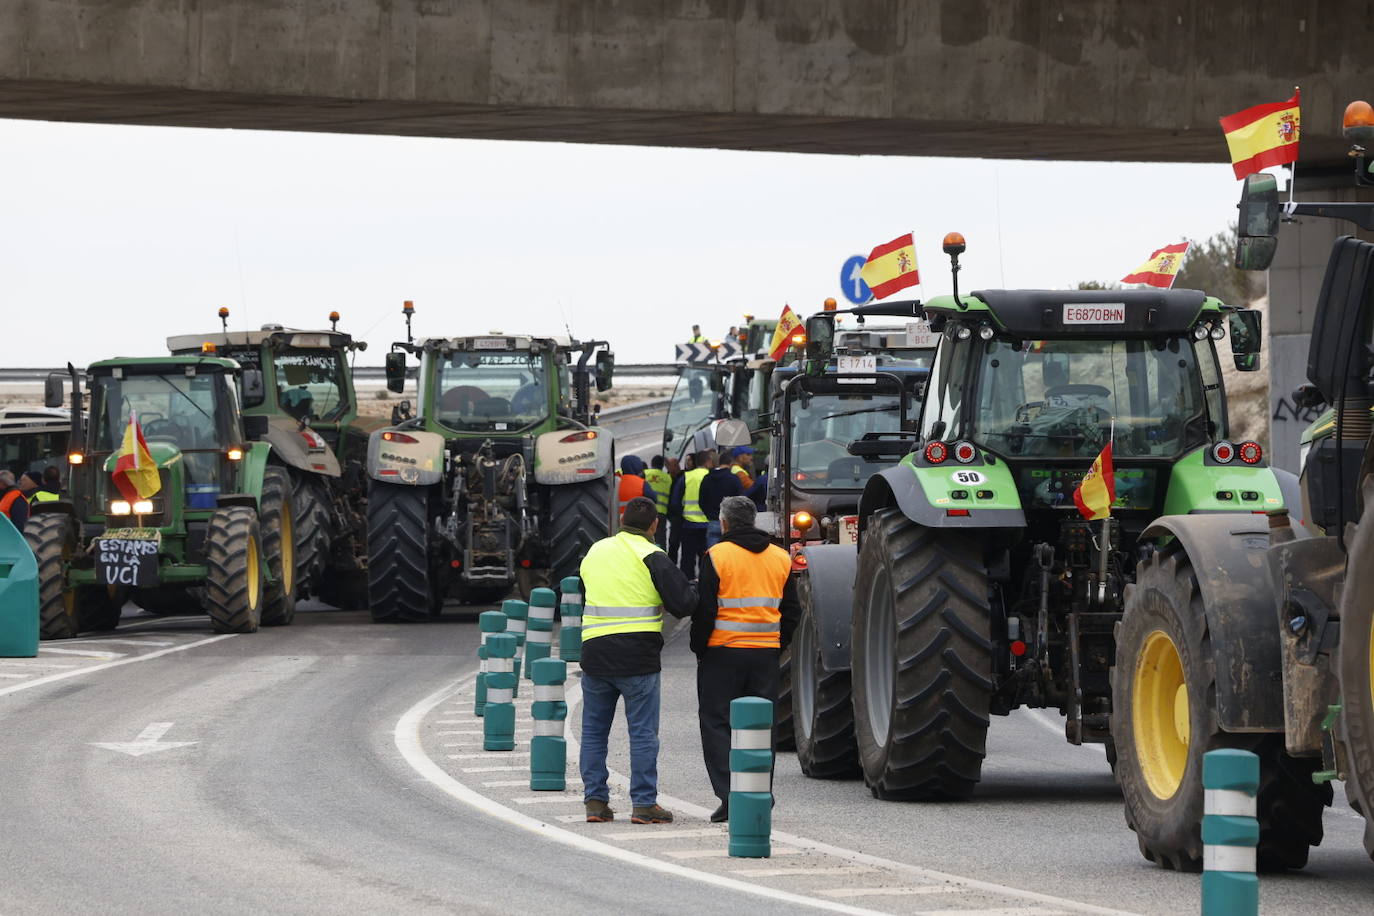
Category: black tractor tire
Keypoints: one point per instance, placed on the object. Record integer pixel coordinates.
(1357, 679)
(922, 660)
(167, 601)
(311, 521)
(579, 516)
(1163, 647)
(235, 570)
(823, 704)
(344, 589)
(400, 585)
(52, 538)
(783, 739)
(277, 522)
(99, 607)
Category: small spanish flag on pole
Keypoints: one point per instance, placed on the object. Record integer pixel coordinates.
(1097, 491)
(788, 324)
(1263, 136)
(135, 472)
(891, 267)
(1161, 268)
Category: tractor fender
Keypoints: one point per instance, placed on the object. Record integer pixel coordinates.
(898, 486)
(1291, 489)
(253, 466)
(303, 449)
(412, 457)
(1228, 554)
(588, 456)
(830, 572)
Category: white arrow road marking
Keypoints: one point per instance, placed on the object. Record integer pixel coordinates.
(148, 741)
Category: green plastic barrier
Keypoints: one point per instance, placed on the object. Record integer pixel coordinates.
(539, 630)
(18, 594)
(570, 633)
(490, 622)
(548, 747)
(751, 777)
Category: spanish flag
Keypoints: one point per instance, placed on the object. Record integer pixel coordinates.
(1097, 491)
(135, 472)
(782, 335)
(891, 267)
(1262, 136)
(1161, 268)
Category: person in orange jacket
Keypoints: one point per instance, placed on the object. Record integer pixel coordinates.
(632, 481)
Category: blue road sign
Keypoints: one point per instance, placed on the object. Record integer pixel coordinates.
(851, 284)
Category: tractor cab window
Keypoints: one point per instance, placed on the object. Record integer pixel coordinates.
(692, 407)
(823, 425)
(180, 410)
(491, 391)
(1060, 398)
(310, 383)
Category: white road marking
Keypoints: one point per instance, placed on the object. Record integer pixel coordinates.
(494, 769)
(786, 871)
(665, 834)
(50, 665)
(119, 642)
(408, 743)
(84, 653)
(546, 799)
(149, 741)
(505, 783)
(1057, 726)
(133, 660)
(995, 911)
(184, 618)
(2, 674)
(725, 853)
(486, 755)
(906, 890)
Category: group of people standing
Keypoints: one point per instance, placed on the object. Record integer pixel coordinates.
(18, 493)
(718, 569)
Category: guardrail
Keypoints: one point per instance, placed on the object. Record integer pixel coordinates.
(363, 373)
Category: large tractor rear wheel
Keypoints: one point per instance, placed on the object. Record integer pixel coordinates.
(1357, 669)
(1164, 721)
(399, 581)
(579, 516)
(823, 704)
(922, 660)
(783, 710)
(276, 519)
(234, 581)
(52, 538)
(311, 521)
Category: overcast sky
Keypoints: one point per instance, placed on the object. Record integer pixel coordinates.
(112, 237)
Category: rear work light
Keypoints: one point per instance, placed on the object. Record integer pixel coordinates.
(936, 452)
(1250, 452)
(584, 435)
(402, 438)
(1223, 452)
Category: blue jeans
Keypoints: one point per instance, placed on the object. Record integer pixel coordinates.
(599, 696)
(712, 533)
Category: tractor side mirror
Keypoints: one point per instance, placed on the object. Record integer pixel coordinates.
(396, 372)
(820, 340)
(1258, 227)
(1245, 326)
(605, 370)
(53, 390)
(730, 433)
(254, 391)
(255, 427)
(1256, 253)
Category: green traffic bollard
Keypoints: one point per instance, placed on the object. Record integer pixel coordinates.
(490, 622)
(751, 777)
(18, 594)
(570, 633)
(498, 721)
(539, 638)
(517, 615)
(548, 747)
(1230, 833)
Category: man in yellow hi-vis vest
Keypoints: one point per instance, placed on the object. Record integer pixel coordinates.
(627, 582)
(686, 499)
(745, 615)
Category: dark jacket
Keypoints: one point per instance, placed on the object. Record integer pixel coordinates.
(675, 493)
(19, 507)
(632, 654)
(759, 491)
(716, 485)
(708, 587)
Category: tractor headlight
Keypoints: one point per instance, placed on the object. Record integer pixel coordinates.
(120, 507)
(143, 507)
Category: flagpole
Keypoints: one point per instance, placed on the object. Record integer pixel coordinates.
(1105, 547)
(1293, 166)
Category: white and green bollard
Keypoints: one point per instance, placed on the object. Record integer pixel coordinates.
(498, 719)
(490, 622)
(570, 633)
(751, 777)
(1230, 833)
(548, 746)
(517, 616)
(539, 637)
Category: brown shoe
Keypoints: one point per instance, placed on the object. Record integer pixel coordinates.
(598, 812)
(654, 814)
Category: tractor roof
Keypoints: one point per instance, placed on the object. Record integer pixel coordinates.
(1050, 313)
(499, 341)
(151, 364)
(287, 337)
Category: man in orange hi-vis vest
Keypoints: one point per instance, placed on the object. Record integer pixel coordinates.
(745, 615)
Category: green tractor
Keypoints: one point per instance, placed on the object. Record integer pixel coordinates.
(501, 478)
(980, 587)
(317, 438)
(1261, 635)
(217, 534)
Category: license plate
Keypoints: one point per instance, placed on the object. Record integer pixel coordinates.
(1102, 313)
(849, 529)
(919, 334)
(857, 365)
(489, 343)
(127, 556)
